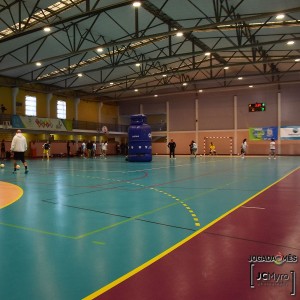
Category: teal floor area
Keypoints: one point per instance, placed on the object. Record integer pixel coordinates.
(82, 223)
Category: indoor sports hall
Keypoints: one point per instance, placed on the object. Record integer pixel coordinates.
(149, 150)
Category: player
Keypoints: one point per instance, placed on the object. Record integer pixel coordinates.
(46, 150)
(244, 148)
(212, 149)
(18, 147)
(272, 149)
(194, 148)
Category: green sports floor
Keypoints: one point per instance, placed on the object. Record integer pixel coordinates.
(81, 224)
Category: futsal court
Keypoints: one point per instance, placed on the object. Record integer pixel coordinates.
(179, 228)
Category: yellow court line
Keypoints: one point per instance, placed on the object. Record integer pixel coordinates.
(10, 193)
(156, 258)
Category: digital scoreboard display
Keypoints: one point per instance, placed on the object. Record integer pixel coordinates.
(257, 107)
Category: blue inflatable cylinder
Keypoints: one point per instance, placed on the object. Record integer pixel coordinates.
(139, 139)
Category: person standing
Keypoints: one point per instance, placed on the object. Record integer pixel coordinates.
(83, 149)
(212, 149)
(3, 150)
(272, 149)
(68, 148)
(172, 146)
(94, 151)
(19, 147)
(244, 148)
(104, 149)
(46, 149)
(191, 147)
(194, 148)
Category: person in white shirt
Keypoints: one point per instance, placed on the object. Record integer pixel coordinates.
(244, 148)
(104, 149)
(18, 147)
(272, 149)
(194, 148)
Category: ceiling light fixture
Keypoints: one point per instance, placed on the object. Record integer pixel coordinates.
(240, 78)
(38, 64)
(290, 43)
(99, 49)
(185, 84)
(250, 86)
(226, 68)
(47, 29)
(297, 59)
(200, 91)
(79, 75)
(207, 53)
(137, 64)
(179, 33)
(280, 16)
(155, 95)
(136, 4)
(136, 90)
(164, 75)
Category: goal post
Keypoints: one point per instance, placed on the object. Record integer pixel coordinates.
(224, 142)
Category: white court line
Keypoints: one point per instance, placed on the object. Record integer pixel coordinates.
(255, 207)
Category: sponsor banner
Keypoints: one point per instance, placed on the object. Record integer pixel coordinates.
(263, 133)
(290, 133)
(38, 123)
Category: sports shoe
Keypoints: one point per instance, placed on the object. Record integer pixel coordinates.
(26, 171)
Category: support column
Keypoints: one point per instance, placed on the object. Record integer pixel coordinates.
(75, 119)
(279, 122)
(15, 91)
(48, 98)
(168, 124)
(196, 121)
(235, 120)
(100, 106)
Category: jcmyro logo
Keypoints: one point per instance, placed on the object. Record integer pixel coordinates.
(275, 279)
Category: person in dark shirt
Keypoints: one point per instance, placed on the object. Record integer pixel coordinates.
(172, 146)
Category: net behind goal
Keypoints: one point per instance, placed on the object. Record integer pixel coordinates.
(223, 145)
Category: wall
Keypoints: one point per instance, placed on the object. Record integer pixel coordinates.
(215, 117)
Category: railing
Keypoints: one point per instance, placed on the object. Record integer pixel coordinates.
(85, 125)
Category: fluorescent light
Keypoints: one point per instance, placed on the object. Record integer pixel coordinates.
(290, 43)
(137, 64)
(136, 90)
(185, 84)
(280, 16)
(297, 59)
(250, 86)
(47, 29)
(155, 95)
(207, 53)
(226, 68)
(99, 49)
(200, 91)
(179, 33)
(240, 78)
(38, 64)
(79, 75)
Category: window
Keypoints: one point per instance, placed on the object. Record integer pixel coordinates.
(30, 106)
(61, 109)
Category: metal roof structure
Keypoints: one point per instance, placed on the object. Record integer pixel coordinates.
(116, 49)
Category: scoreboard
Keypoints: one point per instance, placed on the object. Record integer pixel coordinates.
(257, 107)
